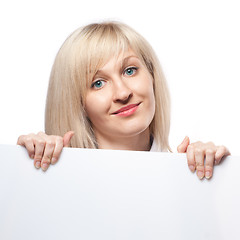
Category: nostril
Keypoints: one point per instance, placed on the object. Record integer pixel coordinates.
(123, 96)
(121, 91)
(125, 99)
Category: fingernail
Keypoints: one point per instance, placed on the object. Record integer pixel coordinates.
(207, 174)
(200, 174)
(38, 164)
(44, 166)
(32, 156)
(54, 160)
(184, 140)
(192, 168)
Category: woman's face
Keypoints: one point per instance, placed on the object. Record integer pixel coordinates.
(120, 101)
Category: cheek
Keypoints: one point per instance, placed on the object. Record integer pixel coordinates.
(96, 105)
(151, 98)
(145, 88)
(149, 95)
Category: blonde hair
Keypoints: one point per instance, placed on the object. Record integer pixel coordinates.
(81, 55)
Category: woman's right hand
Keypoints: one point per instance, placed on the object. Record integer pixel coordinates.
(44, 149)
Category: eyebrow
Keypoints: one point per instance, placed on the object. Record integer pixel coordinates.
(127, 58)
(123, 62)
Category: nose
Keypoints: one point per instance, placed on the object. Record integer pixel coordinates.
(122, 92)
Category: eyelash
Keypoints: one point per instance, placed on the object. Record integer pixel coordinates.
(131, 68)
(104, 82)
(94, 86)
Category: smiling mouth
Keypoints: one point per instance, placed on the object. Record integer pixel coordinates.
(127, 111)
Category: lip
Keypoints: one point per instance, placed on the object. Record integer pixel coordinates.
(127, 110)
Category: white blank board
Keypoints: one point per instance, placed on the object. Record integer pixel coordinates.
(109, 194)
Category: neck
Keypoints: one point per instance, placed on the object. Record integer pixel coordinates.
(140, 142)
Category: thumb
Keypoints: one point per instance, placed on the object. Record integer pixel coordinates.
(67, 138)
(182, 148)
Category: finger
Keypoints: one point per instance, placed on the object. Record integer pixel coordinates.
(191, 158)
(21, 140)
(27, 142)
(57, 150)
(182, 148)
(210, 157)
(199, 158)
(39, 144)
(221, 152)
(67, 138)
(47, 155)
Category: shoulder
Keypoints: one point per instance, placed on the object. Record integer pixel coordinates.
(154, 147)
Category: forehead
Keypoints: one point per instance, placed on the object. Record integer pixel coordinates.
(119, 60)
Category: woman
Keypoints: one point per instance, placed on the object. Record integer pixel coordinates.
(107, 91)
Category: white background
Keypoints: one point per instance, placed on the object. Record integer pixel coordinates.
(197, 43)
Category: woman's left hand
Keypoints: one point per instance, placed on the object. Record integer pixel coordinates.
(199, 152)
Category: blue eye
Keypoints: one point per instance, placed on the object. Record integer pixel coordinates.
(98, 84)
(130, 71)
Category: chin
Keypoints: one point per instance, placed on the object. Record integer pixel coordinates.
(132, 130)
